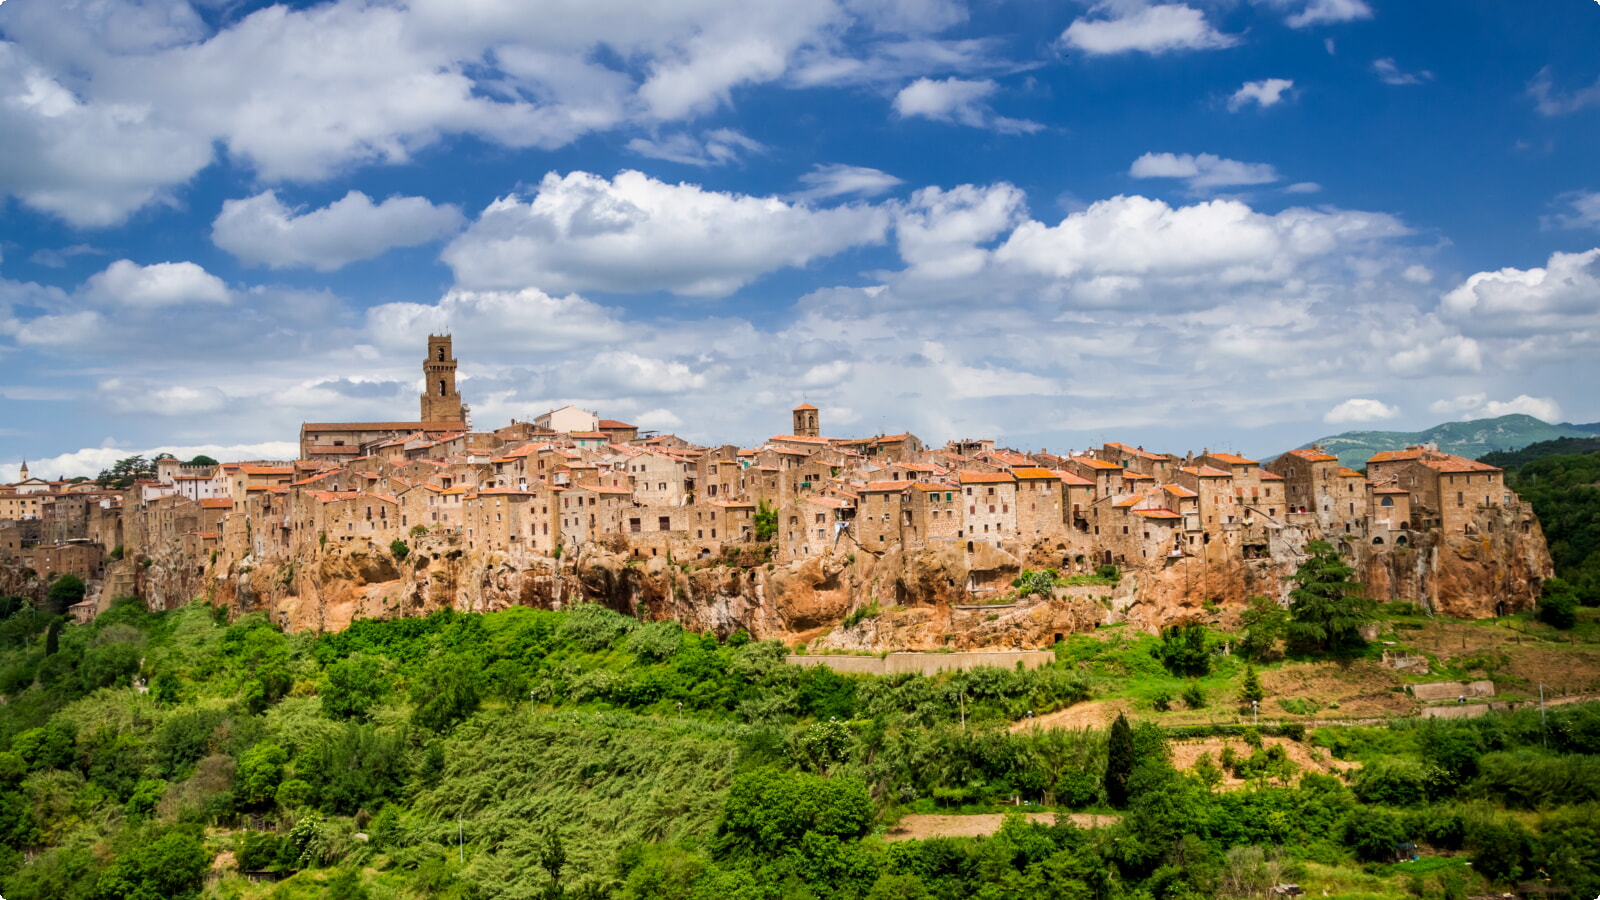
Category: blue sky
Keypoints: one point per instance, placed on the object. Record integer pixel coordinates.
(1216, 223)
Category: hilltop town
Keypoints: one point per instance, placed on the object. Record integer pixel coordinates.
(872, 542)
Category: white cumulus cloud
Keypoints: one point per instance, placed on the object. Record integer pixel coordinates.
(1479, 406)
(1149, 29)
(1202, 172)
(1561, 297)
(1360, 409)
(1306, 13)
(957, 100)
(634, 233)
(127, 283)
(261, 230)
(1264, 93)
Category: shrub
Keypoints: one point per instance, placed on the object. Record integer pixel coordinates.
(1194, 696)
(399, 550)
(1031, 582)
(656, 641)
(593, 628)
(258, 851)
(1162, 701)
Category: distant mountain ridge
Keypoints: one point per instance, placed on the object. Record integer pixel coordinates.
(1470, 439)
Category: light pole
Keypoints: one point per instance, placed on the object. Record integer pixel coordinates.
(1255, 712)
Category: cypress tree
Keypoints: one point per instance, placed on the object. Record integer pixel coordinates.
(1251, 690)
(1120, 760)
(52, 638)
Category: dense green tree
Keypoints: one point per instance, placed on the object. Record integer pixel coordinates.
(1558, 604)
(1374, 834)
(170, 867)
(1120, 761)
(124, 472)
(355, 684)
(1183, 649)
(66, 590)
(446, 692)
(259, 773)
(1326, 607)
(201, 460)
(1265, 622)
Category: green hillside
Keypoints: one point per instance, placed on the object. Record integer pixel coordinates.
(536, 755)
(1470, 439)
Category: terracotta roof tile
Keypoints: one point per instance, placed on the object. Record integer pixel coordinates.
(986, 477)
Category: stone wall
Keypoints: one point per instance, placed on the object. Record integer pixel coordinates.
(927, 663)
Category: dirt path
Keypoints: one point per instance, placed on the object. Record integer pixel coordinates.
(922, 827)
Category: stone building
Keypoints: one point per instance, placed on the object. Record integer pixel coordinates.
(991, 514)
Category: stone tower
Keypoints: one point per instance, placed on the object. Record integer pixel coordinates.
(807, 421)
(441, 402)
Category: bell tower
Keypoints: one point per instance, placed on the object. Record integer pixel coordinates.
(440, 400)
(807, 421)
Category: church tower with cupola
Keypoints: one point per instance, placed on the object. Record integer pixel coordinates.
(441, 402)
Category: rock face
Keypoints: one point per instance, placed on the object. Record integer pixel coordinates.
(941, 597)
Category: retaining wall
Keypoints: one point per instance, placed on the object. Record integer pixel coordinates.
(927, 663)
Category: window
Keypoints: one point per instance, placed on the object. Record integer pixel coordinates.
(1387, 501)
(633, 525)
(665, 523)
(1460, 500)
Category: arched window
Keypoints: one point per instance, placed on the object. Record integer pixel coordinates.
(441, 354)
(1387, 501)
(441, 387)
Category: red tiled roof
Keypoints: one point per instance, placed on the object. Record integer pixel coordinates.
(986, 477)
(611, 424)
(1313, 455)
(1034, 472)
(883, 487)
(1453, 464)
(804, 406)
(1178, 490)
(1232, 459)
(1157, 514)
(1093, 463)
(1074, 479)
(1206, 472)
(795, 438)
(1271, 476)
(216, 503)
(1347, 472)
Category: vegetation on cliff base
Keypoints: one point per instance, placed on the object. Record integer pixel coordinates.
(583, 754)
(1564, 489)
